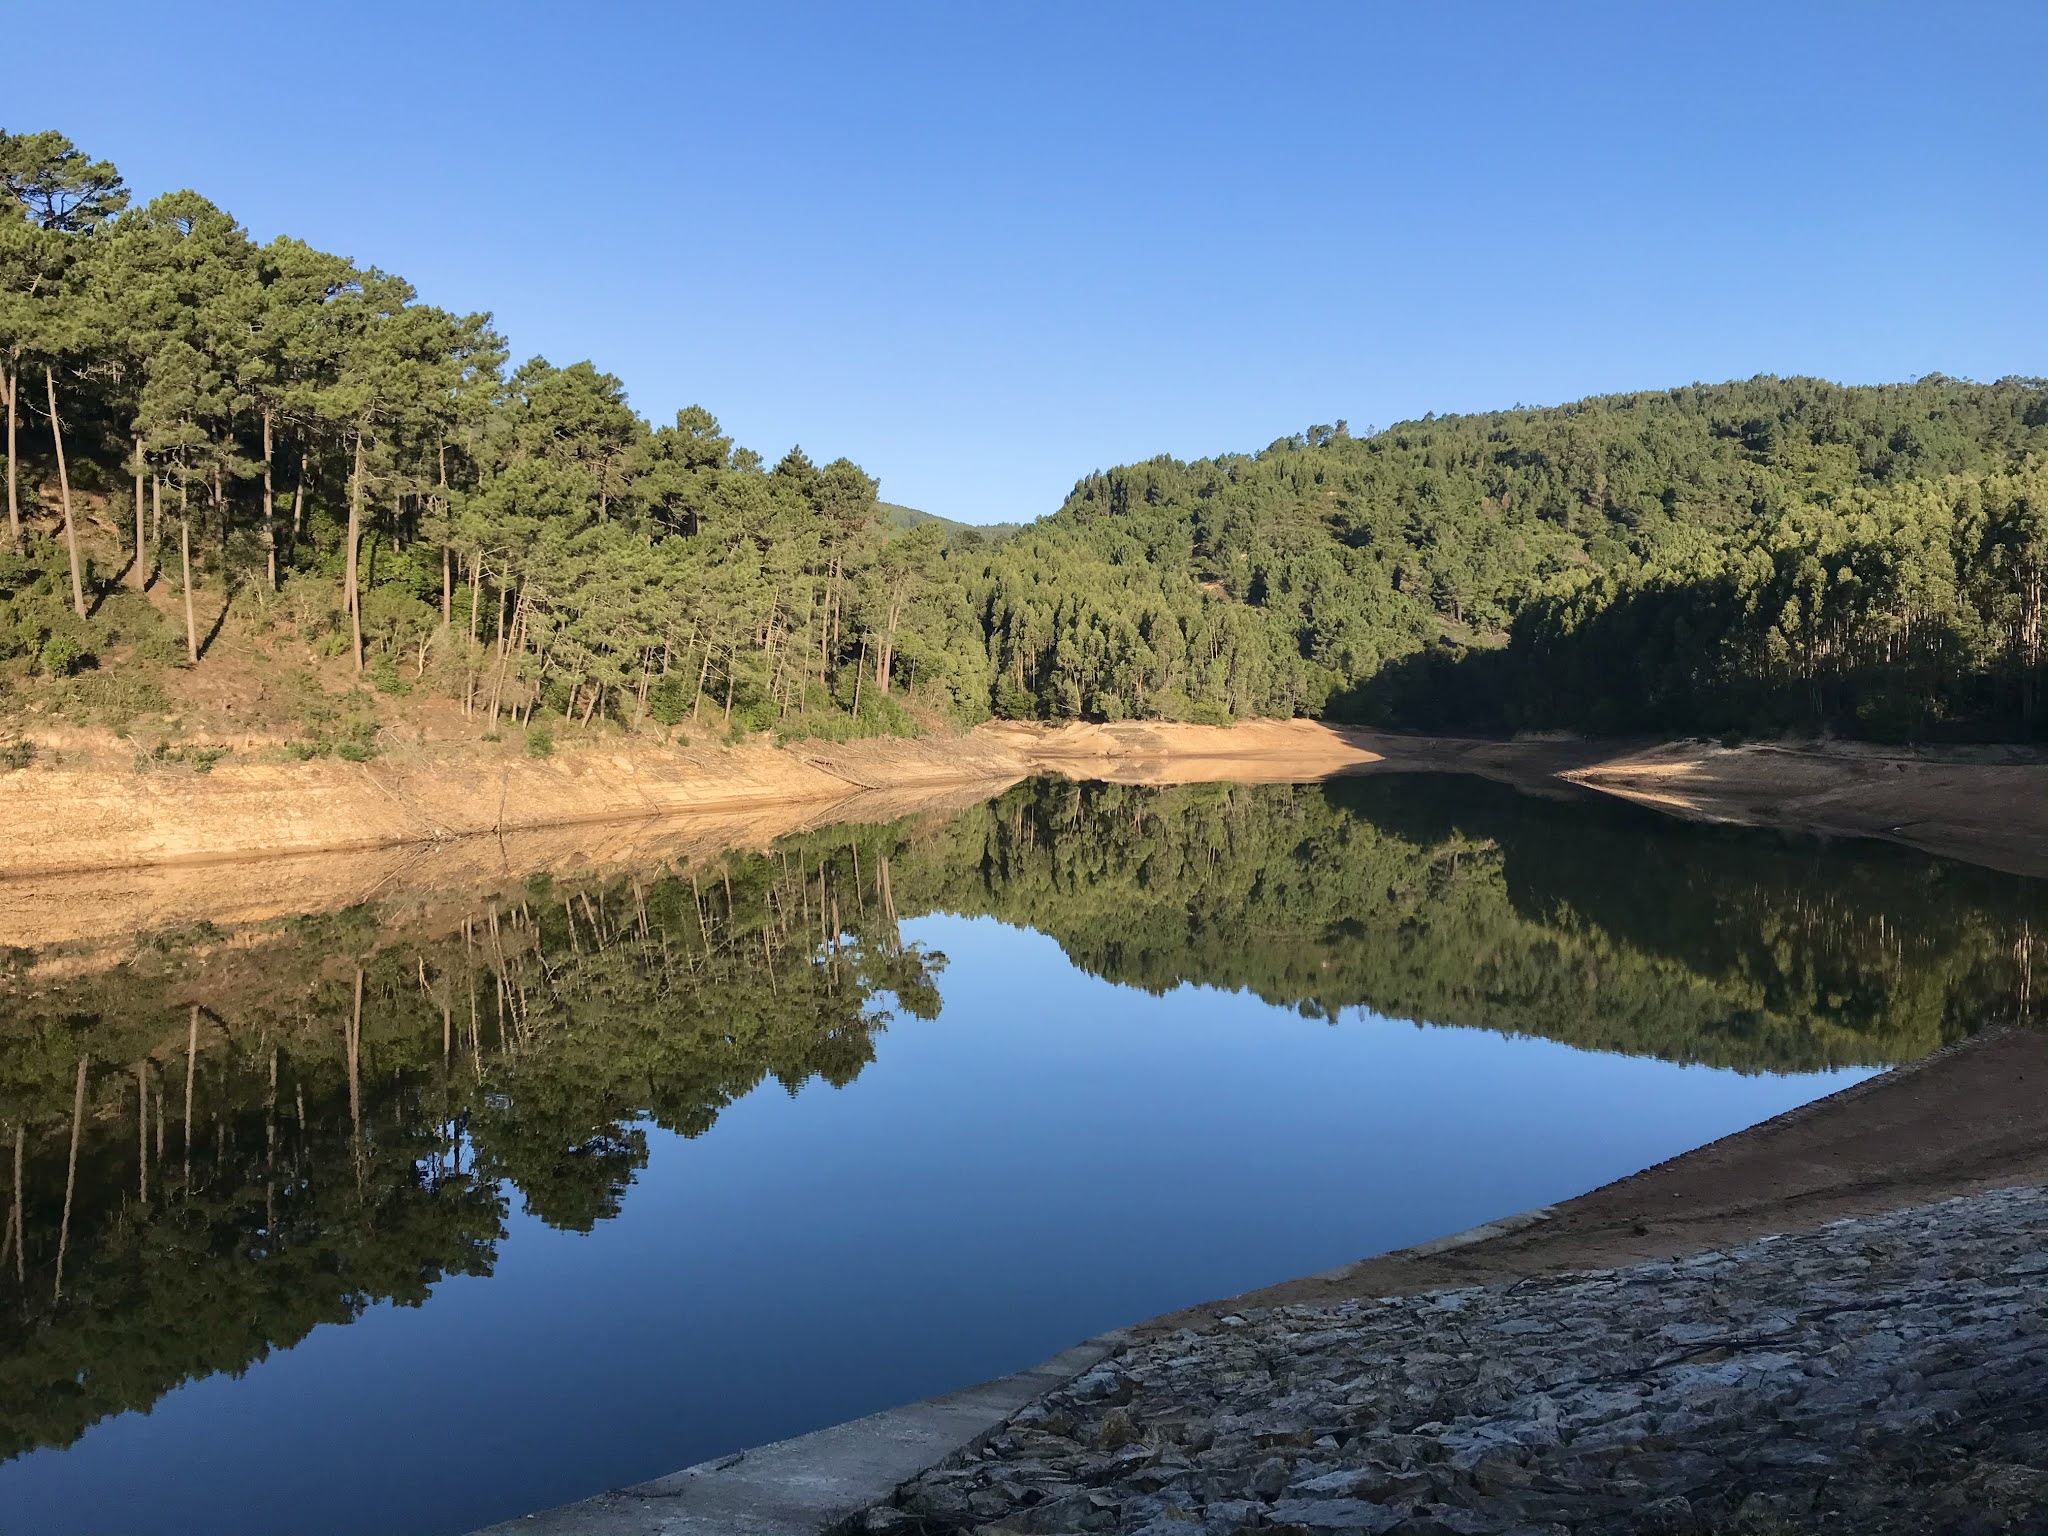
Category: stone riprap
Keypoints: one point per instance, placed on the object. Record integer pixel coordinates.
(1885, 1374)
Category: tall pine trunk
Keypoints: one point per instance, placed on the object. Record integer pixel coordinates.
(64, 490)
(447, 555)
(505, 647)
(269, 506)
(355, 534)
(10, 386)
(140, 571)
(185, 567)
(885, 658)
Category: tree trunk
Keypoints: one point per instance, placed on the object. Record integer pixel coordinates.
(355, 1059)
(70, 1179)
(14, 1217)
(64, 490)
(703, 671)
(142, 1132)
(191, 1075)
(355, 532)
(139, 574)
(887, 655)
(504, 655)
(10, 386)
(447, 555)
(185, 565)
(299, 499)
(269, 506)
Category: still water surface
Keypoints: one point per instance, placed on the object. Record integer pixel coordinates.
(737, 1150)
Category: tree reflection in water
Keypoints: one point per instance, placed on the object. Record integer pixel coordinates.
(230, 1138)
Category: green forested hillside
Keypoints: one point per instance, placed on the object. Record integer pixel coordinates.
(1762, 555)
(209, 437)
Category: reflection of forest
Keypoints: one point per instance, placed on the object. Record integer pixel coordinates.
(233, 1138)
(1453, 900)
(221, 1145)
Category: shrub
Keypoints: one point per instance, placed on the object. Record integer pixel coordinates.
(1010, 702)
(669, 700)
(386, 678)
(59, 656)
(540, 741)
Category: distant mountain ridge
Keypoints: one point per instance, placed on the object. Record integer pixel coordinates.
(899, 516)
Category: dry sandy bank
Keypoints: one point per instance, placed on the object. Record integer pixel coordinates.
(100, 850)
(1985, 805)
(103, 850)
(61, 820)
(106, 908)
(1163, 752)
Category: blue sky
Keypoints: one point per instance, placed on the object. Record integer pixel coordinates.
(983, 249)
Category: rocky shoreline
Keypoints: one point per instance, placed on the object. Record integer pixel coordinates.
(1883, 1374)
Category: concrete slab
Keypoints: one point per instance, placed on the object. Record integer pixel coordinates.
(810, 1485)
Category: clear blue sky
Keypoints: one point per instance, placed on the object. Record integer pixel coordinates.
(983, 249)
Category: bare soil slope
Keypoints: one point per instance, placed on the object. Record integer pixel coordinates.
(1165, 752)
(63, 819)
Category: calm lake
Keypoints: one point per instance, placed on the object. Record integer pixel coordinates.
(381, 1222)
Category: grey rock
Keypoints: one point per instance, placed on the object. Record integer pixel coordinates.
(1269, 1478)
(1345, 1515)
(1882, 1376)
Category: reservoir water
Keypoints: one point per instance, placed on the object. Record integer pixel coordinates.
(427, 1213)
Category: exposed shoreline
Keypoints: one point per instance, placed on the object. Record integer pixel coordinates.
(1886, 1375)
(99, 850)
(1986, 805)
(1983, 805)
